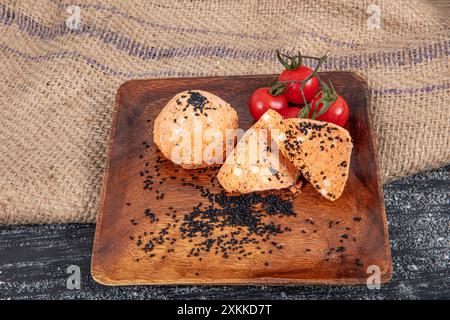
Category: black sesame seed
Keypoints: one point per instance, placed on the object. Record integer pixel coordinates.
(245, 214)
(197, 101)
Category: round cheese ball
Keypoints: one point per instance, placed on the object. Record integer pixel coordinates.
(193, 129)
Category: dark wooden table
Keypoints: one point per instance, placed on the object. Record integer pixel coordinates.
(34, 259)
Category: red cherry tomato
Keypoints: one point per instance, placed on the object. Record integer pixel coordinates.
(261, 101)
(291, 112)
(292, 92)
(337, 113)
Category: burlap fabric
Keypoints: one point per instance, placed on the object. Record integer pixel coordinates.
(58, 84)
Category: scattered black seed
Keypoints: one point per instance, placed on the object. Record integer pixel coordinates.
(358, 263)
(207, 225)
(146, 144)
(149, 214)
(197, 101)
(357, 219)
(222, 210)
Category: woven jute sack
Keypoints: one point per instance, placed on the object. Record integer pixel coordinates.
(62, 64)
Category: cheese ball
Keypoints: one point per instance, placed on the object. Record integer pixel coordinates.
(192, 130)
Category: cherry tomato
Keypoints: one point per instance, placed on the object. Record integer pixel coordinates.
(261, 100)
(337, 113)
(292, 92)
(291, 112)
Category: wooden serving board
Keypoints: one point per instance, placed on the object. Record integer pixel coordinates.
(325, 243)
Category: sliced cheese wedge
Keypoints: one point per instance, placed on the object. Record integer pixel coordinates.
(255, 164)
(321, 151)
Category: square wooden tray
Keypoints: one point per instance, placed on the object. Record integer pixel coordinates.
(329, 242)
